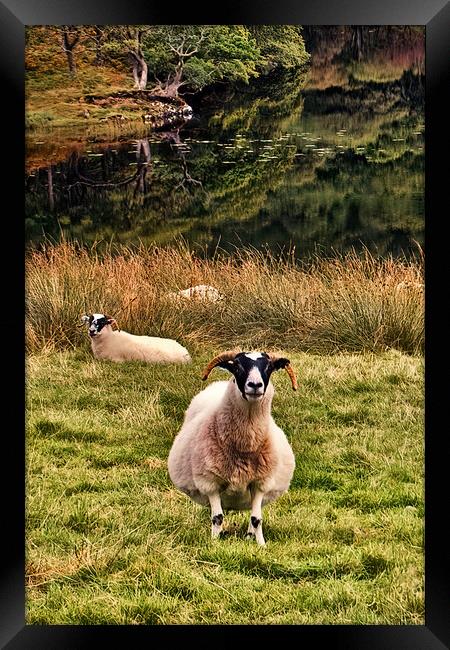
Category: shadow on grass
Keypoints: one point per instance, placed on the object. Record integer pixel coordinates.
(47, 429)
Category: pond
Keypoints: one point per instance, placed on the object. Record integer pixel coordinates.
(297, 161)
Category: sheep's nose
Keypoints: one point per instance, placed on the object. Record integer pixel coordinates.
(254, 385)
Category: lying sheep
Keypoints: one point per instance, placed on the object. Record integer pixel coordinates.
(229, 451)
(121, 346)
(203, 292)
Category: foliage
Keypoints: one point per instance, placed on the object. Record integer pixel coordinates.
(38, 119)
(206, 53)
(43, 52)
(280, 45)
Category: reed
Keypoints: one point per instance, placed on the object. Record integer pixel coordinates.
(352, 302)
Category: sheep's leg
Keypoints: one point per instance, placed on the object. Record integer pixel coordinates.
(216, 514)
(255, 525)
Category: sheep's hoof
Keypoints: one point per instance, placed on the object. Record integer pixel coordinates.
(259, 540)
(215, 531)
(216, 525)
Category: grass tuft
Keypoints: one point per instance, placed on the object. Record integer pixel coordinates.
(349, 303)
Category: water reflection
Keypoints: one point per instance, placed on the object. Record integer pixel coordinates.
(331, 167)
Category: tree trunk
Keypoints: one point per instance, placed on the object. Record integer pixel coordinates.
(135, 72)
(99, 59)
(143, 150)
(140, 71)
(172, 86)
(139, 65)
(71, 62)
(68, 47)
(143, 74)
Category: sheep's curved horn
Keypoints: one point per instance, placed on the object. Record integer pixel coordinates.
(293, 378)
(228, 355)
(281, 362)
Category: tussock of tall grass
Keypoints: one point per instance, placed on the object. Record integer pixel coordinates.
(351, 302)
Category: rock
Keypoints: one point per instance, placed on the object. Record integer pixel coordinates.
(159, 111)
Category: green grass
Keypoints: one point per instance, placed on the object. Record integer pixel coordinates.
(111, 541)
(56, 100)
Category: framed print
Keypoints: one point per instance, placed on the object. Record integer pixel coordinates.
(224, 197)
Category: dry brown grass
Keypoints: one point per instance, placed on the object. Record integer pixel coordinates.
(351, 302)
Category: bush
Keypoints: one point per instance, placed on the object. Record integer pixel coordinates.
(37, 119)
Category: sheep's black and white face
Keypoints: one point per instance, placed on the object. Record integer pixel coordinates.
(252, 372)
(96, 323)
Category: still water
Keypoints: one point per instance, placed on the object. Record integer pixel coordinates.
(280, 165)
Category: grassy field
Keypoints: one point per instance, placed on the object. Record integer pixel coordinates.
(111, 541)
(55, 99)
(348, 303)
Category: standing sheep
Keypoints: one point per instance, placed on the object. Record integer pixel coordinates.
(121, 346)
(229, 451)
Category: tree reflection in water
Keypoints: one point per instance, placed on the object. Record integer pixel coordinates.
(284, 162)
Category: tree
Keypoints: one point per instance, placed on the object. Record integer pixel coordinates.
(70, 37)
(280, 46)
(199, 55)
(188, 56)
(182, 44)
(76, 35)
(98, 35)
(124, 43)
(139, 64)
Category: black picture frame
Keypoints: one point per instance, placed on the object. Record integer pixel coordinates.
(14, 16)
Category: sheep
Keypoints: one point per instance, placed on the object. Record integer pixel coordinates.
(229, 452)
(203, 292)
(121, 346)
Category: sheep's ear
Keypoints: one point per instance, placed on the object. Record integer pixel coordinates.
(229, 364)
(85, 318)
(224, 360)
(112, 321)
(281, 363)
